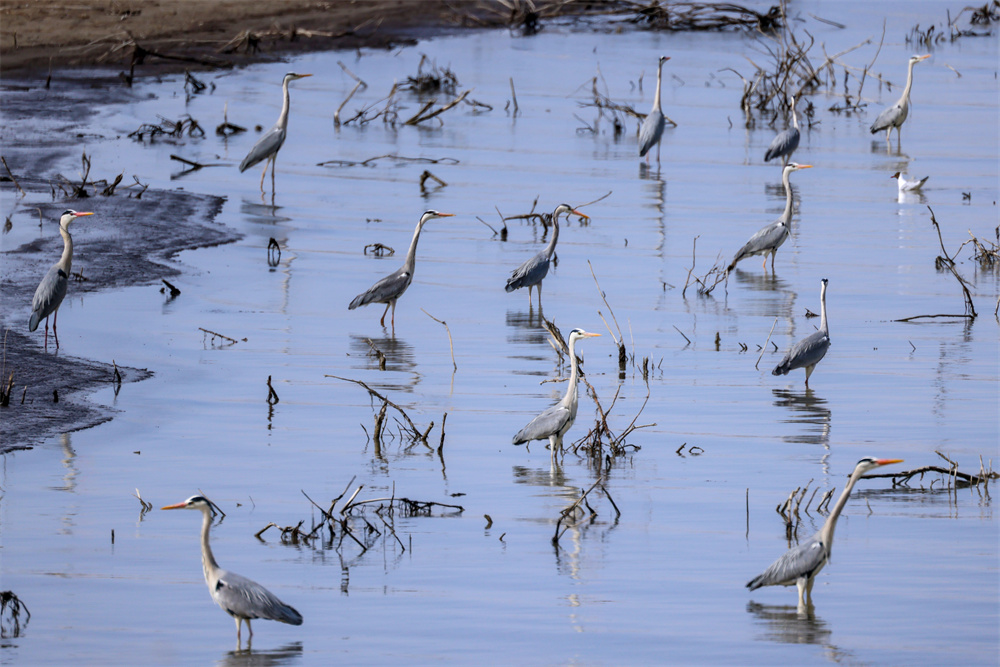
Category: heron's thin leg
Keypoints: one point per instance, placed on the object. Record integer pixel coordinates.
(539, 286)
(801, 585)
(274, 162)
(239, 627)
(393, 318)
(263, 174)
(55, 333)
(773, 255)
(809, 371)
(529, 296)
(382, 321)
(249, 630)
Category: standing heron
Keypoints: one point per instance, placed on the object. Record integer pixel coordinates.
(557, 420)
(810, 350)
(269, 144)
(786, 142)
(894, 116)
(652, 126)
(769, 238)
(50, 292)
(906, 185)
(241, 598)
(390, 288)
(533, 271)
(800, 565)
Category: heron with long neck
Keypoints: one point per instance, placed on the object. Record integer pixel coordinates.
(557, 420)
(243, 599)
(51, 291)
(894, 116)
(800, 565)
(652, 126)
(769, 238)
(533, 271)
(786, 142)
(270, 143)
(390, 288)
(810, 350)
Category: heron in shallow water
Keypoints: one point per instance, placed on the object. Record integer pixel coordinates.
(50, 292)
(241, 598)
(769, 238)
(894, 116)
(908, 185)
(557, 420)
(269, 144)
(652, 126)
(533, 271)
(800, 565)
(786, 142)
(390, 288)
(810, 350)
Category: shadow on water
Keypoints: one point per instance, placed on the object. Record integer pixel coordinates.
(388, 353)
(808, 411)
(285, 655)
(527, 327)
(788, 624)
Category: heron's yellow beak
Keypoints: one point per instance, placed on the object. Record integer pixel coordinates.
(587, 334)
(78, 214)
(178, 506)
(582, 215)
(446, 215)
(805, 166)
(925, 57)
(885, 462)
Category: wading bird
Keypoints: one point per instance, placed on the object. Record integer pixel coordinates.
(241, 598)
(786, 142)
(907, 185)
(769, 238)
(652, 126)
(269, 144)
(799, 566)
(393, 285)
(557, 420)
(894, 116)
(533, 271)
(810, 350)
(50, 292)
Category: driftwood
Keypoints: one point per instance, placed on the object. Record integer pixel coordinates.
(574, 515)
(410, 428)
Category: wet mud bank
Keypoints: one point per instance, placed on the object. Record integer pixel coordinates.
(131, 240)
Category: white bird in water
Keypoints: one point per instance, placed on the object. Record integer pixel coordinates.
(769, 238)
(270, 142)
(800, 565)
(390, 288)
(810, 350)
(241, 598)
(652, 126)
(50, 292)
(906, 185)
(894, 116)
(533, 271)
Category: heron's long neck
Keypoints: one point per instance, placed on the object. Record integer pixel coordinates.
(66, 261)
(551, 247)
(795, 117)
(411, 254)
(207, 559)
(283, 118)
(787, 215)
(826, 533)
(574, 372)
(909, 84)
(822, 312)
(659, 77)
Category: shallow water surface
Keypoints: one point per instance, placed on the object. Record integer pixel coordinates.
(915, 576)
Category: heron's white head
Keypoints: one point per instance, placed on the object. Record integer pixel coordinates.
(915, 59)
(69, 215)
(870, 463)
(580, 333)
(664, 59)
(292, 76)
(192, 503)
(432, 214)
(566, 208)
(795, 166)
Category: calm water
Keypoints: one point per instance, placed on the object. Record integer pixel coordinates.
(915, 575)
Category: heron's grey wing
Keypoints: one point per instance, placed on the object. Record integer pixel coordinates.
(48, 295)
(530, 273)
(245, 598)
(389, 288)
(548, 423)
(769, 237)
(266, 146)
(801, 561)
(651, 131)
(890, 117)
(807, 352)
(784, 144)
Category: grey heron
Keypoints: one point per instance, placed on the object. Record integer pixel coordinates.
(533, 271)
(241, 598)
(269, 144)
(50, 292)
(810, 350)
(652, 126)
(907, 185)
(800, 565)
(390, 288)
(769, 238)
(557, 420)
(894, 116)
(786, 142)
